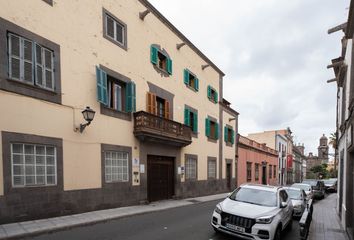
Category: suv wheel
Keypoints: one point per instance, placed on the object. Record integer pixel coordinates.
(277, 235)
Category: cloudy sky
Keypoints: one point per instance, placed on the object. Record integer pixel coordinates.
(274, 54)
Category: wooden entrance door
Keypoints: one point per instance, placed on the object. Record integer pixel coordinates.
(160, 174)
(264, 174)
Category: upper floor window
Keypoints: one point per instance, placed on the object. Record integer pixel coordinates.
(229, 135)
(114, 93)
(157, 106)
(212, 94)
(33, 165)
(191, 119)
(211, 128)
(160, 59)
(115, 30)
(191, 80)
(31, 63)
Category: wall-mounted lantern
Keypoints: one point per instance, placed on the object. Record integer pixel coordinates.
(88, 115)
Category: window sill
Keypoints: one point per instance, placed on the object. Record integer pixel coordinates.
(115, 113)
(213, 140)
(162, 71)
(26, 89)
(211, 100)
(191, 88)
(229, 144)
(123, 46)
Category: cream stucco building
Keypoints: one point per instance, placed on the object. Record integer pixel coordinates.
(161, 130)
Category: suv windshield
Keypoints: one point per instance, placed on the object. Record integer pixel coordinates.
(304, 187)
(255, 196)
(294, 194)
(330, 181)
(313, 183)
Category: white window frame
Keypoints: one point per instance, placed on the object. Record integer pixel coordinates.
(43, 66)
(34, 63)
(212, 174)
(115, 23)
(109, 167)
(21, 58)
(190, 174)
(34, 165)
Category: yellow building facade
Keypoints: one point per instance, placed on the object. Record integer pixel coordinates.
(161, 127)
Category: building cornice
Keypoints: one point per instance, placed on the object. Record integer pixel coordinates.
(164, 20)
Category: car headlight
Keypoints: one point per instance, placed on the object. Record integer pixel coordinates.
(265, 219)
(218, 209)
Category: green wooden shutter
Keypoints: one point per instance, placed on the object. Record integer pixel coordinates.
(195, 122)
(169, 66)
(186, 117)
(196, 81)
(216, 131)
(209, 92)
(130, 97)
(186, 77)
(101, 80)
(216, 97)
(225, 134)
(153, 54)
(207, 127)
(232, 136)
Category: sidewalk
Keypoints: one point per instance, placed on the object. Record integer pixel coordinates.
(24, 229)
(325, 221)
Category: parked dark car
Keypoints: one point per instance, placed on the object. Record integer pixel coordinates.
(318, 187)
(331, 184)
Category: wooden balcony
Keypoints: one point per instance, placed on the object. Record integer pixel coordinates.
(149, 127)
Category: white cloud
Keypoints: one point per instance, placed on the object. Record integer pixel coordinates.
(274, 54)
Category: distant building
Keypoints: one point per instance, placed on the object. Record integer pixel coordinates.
(322, 157)
(257, 163)
(299, 158)
(281, 141)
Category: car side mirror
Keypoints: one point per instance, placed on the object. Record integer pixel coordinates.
(283, 204)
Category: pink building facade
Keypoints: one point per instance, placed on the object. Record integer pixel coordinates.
(257, 163)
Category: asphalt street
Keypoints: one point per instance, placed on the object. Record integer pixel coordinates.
(184, 223)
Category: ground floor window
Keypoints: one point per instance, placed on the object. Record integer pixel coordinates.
(211, 168)
(270, 171)
(191, 168)
(256, 171)
(249, 172)
(33, 165)
(116, 166)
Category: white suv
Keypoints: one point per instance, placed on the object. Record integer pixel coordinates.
(254, 212)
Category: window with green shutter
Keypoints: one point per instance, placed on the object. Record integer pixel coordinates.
(211, 129)
(115, 94)
(191, 119)
(190, 80)
(212, 94)
(229, 135)
(160, 59)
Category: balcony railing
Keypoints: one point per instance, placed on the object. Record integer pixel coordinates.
(149, 127)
